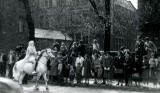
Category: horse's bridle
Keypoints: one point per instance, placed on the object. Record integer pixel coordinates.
(47, 54)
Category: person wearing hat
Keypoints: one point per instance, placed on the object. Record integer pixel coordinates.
(150, 47)
(86, 68)
(139, 43)
(63, 49)
(60, 67)
(122, 48)
(95, 46)
(53, 72)
(3, 61)
(81, 48)
(74, 48)
(106, 64)
(11, 62)
(56, 46)
(118, 66)
(97, 66)
(122, 51)
(140, 48)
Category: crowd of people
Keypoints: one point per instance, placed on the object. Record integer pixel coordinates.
(7, 60)
(81, 62)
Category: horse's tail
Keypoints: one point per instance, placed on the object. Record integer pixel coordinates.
(15, 72)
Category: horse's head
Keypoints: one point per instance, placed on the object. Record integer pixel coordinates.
(47, 53)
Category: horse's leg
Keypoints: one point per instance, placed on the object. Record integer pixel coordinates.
(22, 74)
(37, 79)
(46, 80)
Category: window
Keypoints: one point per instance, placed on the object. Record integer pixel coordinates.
(50, 3)
(21, 24)
(41, 21)
(41, 4)
(46, 3)
(47, 24)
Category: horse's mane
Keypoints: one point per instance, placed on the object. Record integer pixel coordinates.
(40, 55)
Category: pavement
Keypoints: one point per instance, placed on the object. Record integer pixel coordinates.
(86, 89)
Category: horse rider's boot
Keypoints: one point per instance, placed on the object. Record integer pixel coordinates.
(34, 72)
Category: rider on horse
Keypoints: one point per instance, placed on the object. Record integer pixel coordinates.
(31, 54)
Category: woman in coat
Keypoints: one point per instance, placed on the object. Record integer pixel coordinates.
(107, 64)
(87, 68)
(54, 68)
(118, 65)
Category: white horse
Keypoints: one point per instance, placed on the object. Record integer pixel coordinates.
(20, 69)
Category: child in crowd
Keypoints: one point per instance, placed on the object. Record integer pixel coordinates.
(152, 65)
(78, 73)
(71, 75)
(79, 65)
(97, 67)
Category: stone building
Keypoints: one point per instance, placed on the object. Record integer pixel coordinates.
(78, 19)
(149, 16)
(13, 26)
(124, 26)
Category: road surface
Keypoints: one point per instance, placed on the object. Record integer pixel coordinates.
(67, 89)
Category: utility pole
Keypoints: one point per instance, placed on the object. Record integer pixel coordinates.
(107, 26)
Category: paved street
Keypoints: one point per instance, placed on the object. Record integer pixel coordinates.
(64, 89)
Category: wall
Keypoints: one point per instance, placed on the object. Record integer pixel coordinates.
(78, 19)
(13, 28)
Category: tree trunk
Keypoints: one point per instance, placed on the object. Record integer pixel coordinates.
(29, 20)
(106, 21)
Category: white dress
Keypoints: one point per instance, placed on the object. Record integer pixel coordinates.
(30, 55)
(79, 60)
(21, 65)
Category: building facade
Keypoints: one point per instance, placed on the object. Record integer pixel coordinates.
(78, 19)
(124, 20)
(13, 26)
(149, 16)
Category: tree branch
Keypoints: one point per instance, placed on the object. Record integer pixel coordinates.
(96, 11)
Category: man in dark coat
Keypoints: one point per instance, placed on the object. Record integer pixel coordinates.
(118, 65)
(81, 48)
(140, 53)
(106, 64)
(4, 64)
(127, 66)
(54, 68)
(56, 46)
(11, 62)
(140, 48)
(74, 48)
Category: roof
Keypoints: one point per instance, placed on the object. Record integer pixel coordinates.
(50, 34)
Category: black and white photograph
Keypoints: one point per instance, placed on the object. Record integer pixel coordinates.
(79, 46)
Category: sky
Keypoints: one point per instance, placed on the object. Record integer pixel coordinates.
(135, 3)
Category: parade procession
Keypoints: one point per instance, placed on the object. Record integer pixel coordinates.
(79, 46)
